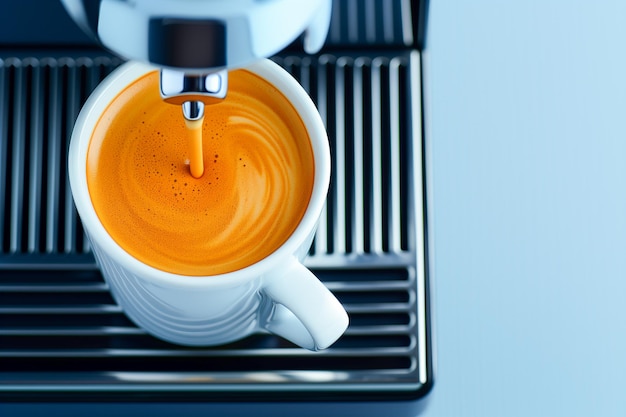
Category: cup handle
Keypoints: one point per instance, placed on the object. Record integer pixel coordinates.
(305, 312)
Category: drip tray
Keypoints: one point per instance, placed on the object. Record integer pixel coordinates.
(63, 336)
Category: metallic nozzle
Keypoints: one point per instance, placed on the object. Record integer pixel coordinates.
(193, 110)
(178, 87)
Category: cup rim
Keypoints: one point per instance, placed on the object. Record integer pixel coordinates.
(87, 119)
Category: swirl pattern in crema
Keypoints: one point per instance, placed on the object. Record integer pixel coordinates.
(256, 186)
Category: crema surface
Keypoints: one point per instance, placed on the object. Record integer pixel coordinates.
(257, 181)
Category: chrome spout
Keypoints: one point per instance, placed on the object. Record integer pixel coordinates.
(192, 90)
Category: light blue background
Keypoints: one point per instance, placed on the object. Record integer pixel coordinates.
(527, 118)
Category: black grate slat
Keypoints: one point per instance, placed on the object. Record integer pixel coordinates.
(18, 139)
(55, 101)
(4, 148)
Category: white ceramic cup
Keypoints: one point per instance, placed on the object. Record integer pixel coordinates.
(278, 294)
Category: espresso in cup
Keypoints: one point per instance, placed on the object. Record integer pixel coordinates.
(255, 188)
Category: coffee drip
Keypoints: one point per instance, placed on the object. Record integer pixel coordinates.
(194, 43)
(193, 92)
(194, 128)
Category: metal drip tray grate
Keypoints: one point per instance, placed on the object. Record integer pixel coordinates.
(60, 330)
(62, 335)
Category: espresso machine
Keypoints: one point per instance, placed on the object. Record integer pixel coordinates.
(63, 340)
(194, 42)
